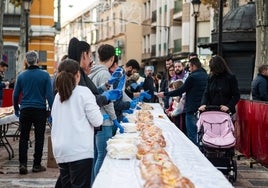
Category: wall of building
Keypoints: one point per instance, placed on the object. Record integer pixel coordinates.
(41, 33)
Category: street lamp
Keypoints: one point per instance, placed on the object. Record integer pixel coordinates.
(27, 7)
(219, 47)
(196, 7)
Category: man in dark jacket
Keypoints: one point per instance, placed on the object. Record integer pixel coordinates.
(35, 86)
(149, 83)
(194, 87)
(260, 84)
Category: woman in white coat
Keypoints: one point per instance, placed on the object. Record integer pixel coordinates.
(75, 113)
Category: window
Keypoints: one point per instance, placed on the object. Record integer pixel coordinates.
(177, 45)
(42, 56)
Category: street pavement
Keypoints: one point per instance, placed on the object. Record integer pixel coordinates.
(256, 177)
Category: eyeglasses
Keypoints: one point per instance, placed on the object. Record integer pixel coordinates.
(171, 70)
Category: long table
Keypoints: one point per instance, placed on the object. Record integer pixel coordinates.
(187, 157)
(4, 123)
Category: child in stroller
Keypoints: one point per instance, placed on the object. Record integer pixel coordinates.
(217, 141)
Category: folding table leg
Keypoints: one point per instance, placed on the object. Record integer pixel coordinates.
(6, 142)
(2, 143)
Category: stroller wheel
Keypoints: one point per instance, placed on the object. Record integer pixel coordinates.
(235, 169)
(233, 172)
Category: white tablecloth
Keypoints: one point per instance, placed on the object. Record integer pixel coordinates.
(188, 158)
(8, 119)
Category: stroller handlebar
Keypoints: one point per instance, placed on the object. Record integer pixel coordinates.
(214, 108)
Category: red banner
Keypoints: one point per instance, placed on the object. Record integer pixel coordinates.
(252, 130)
(7, 98)
(242, 127)
(259, 129)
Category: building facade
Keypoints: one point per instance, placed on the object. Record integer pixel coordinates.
(41, 35)
(106, 22)
(146, 30)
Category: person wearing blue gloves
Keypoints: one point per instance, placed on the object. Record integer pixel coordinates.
(124, 104)
(99, 75)
(149, 83)
(81, 52)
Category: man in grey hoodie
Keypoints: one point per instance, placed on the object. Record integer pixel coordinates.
(99, 75)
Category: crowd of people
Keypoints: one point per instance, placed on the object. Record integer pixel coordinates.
(88, 101)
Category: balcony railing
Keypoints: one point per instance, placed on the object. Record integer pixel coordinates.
(11, 20)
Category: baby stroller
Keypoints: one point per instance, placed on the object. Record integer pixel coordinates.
(217, 141)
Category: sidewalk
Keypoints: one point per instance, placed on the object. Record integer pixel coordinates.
(10, 177)
(256, 177)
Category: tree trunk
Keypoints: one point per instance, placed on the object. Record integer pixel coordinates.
(261, 34)
(2, 11)
(21, 49)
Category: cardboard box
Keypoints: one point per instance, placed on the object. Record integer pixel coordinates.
(51, 162)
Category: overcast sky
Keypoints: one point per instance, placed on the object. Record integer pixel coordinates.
(70, 8)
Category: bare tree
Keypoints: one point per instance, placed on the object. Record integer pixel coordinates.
(2, 11)
(261, 34)
(21, 49)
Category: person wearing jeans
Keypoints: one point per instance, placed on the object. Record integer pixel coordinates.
(99, 75)
(194, 87)
(101, 143)
(190, 120)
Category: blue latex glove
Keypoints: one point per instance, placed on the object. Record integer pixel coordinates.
(117, 74)
(124, 120)
(121, 83)
(129, 111)
(138, 108)
(105, 117)
(145, 95)
(121, 129)
(133, 104)
(112, 95)
(17, 113)
(136, 86)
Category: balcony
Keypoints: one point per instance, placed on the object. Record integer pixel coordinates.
(11, 20)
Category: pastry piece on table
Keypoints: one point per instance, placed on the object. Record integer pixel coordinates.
(122, 150)
(154, 182)
(145, 106)
(129, 127)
